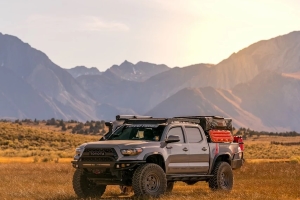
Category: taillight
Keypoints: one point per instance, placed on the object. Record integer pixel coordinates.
(239, 139)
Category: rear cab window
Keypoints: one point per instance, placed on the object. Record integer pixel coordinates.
(193, 134)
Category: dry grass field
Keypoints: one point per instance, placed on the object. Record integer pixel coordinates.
(35, 164)
(261, 148)
(53, 181)
(39, 143)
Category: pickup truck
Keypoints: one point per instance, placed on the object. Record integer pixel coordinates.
(150, 154)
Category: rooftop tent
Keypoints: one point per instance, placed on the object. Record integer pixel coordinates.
(212, 122)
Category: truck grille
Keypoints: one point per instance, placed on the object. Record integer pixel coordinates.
(99, 154)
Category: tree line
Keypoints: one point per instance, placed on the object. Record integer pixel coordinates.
(246, 132)
(75, 127)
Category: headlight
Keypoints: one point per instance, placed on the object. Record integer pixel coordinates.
(78, 153)
(131, 152)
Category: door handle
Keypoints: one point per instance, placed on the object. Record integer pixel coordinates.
(169, 147)
(185, 149)
(204, 148)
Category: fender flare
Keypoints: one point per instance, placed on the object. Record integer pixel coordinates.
(216, 157)
(152, 153)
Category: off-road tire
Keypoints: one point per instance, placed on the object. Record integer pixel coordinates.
(170, 185)
(149, 180)
(85, 188)
(222, 177)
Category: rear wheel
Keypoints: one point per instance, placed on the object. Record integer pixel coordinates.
(149, 180)
(222, 177)
(85, 188)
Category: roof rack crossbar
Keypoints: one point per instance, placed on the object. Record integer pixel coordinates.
(146, 121)
(132, 117)
(160, 120)
(199, 117)
(197, 121)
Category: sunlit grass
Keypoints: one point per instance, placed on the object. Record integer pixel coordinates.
(34, 141)
(268, 151)
(33, 160)
(54, 181)
(35, 164)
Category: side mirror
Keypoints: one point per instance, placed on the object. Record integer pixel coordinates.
(108, 124)
(172, 138)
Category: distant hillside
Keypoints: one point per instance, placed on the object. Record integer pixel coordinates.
(127, 77)
(100, 86)
(47, 82)
(18, 99)
(273, 98)
(141, 96)
(82, 70)
(109, 112)
(258, 86)
(207, 101)
(280, 54)
(239, 68)
(268, 102)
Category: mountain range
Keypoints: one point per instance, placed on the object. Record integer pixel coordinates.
(259, 86)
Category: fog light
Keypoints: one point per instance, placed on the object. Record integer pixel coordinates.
(127, 165)
(117, 166)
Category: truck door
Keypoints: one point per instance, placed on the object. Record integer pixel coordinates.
(199, 150)
(177, 161)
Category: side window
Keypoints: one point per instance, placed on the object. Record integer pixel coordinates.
(177, 131)
(193, 134)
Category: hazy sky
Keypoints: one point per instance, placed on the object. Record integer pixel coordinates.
(101, 33)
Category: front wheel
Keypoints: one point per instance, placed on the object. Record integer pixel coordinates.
(85, 188)
(222, 177)
(149, 180)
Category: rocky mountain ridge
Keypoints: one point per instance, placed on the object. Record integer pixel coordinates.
(82, 70)
(30, 79)
(139, 72)
(258, 86)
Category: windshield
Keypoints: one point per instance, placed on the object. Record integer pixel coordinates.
(138, 132)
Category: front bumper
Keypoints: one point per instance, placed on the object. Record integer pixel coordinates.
(114, 165)
(238, 160)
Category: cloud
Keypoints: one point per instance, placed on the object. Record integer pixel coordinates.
(75, 23)
(96, 24)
